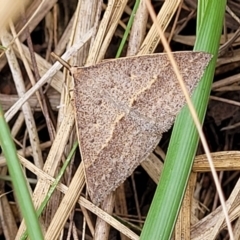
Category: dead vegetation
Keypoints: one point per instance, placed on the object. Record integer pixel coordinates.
(44, 129)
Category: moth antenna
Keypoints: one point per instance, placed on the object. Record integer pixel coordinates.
(63, 62)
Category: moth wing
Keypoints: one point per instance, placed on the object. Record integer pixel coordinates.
(122, 108)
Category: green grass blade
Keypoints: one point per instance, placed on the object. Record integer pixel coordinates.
(54, 185)
(18, 180)
(127, 31)
(170, 191)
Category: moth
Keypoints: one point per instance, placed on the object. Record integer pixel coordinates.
(123, 106)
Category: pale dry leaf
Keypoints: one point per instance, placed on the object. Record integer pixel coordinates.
(10, 10)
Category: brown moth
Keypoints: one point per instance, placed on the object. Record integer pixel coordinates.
(122, 108)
